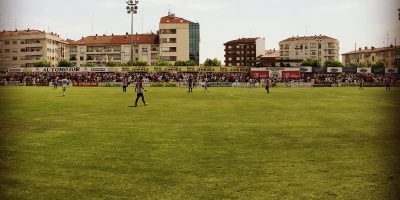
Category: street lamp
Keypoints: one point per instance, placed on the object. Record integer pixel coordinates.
(132, 9)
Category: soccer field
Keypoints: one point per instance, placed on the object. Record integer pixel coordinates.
(296, 143)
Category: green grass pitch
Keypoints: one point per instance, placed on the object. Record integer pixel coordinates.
(296, 143)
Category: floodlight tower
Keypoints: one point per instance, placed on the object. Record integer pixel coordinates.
(132, 9)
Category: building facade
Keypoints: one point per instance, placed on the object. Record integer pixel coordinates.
(389, 56)
(179, 39)
(22, 48)
(100, 50)
(320, 47)
(269, 59)
(244, 51)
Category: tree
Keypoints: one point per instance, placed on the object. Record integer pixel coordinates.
(90, 65)
(65, 63)
(212, 62)
(163, 63)
(311, 62)
(185, 63)
(111, 64)
(357, 65)
(137, 63)
(332, 63)
(378, 64)
(42, 63)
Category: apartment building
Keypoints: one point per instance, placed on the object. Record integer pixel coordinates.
(179, 39)
(99, 50)
(22, 48)
(244, 51)
(320, 47)
(269, 59)
(389, 56)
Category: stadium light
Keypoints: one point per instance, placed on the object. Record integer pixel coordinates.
(132, 9)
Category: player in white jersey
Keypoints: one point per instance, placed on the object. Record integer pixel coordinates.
(64, 84)
(205, 84)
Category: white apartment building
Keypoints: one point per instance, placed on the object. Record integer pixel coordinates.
(320, 47)
(22, 48)
(179, 39)
(99, 50)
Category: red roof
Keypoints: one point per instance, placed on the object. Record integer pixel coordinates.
(118, 39)
(374, 50)
(242, 40)
(171, 19)
(305, 38)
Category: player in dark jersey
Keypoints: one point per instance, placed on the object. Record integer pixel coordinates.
(387, 83)
(267, 84)
(190, 84)
(139, 90)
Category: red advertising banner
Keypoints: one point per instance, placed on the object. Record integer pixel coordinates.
(85, 84)
(290, 74)
(260, 74)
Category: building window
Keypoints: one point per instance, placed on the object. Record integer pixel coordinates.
(15, 42)
(15, 58)
(7, 42)
(144, 51)
(6, 50)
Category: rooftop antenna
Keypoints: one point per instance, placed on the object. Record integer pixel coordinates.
(169, 9)
(387, 40)
(92, 23)
(142, 20)
(15, 24)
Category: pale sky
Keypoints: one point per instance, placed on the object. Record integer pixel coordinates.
(365, 22)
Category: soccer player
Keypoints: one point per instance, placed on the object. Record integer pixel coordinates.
(64, 84)
(55, 83)
(361, 83)
(190, 84)
(139, 89)
(267, 84)
(124, 84)
(205, 84)
(34, 81)
(388, 84)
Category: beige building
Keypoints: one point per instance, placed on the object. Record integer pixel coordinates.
(99, 50)
(321, 47)
(389, 56)
(179, 39)
(22, 48)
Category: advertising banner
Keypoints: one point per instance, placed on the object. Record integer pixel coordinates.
(135, 69)
(58, 69)
(392, 70)
(378, 70)
(319, 70)
(364, 70)
(306, 69)
(334, 70)
(290, 74)
(15, 70)
(85, 84)
(99, 69)
(349, 70)
(260, 74)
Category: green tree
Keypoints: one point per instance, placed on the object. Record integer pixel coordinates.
(137, 63)
(163, 63)
(185, 63)
(65, 63)
(333, 63)
(42, 63)
(311, 62)
(357, 65)
(378, 64)
(212, 62)
(111, 64)
(90, 65)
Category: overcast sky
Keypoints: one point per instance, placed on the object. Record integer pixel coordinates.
(365, 22)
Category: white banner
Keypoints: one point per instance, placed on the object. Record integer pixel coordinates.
(364, 70)
(391, 70)
(58, 69)
(334, 70)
